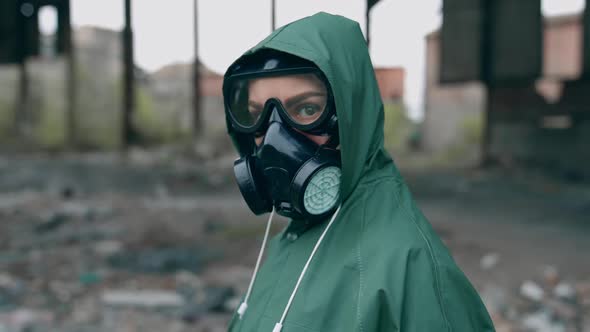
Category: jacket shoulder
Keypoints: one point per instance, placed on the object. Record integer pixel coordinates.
(400, 243)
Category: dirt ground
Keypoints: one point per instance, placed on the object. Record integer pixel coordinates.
(156, 242)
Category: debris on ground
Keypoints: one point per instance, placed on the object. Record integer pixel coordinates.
(552, 306)
(92, 244)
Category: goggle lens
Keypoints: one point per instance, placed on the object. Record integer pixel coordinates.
(303, 97)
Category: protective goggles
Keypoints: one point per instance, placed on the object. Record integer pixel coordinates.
(301, 96)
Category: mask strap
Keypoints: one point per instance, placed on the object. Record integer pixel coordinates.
(333, 141)
(244, 304)
(279, 325)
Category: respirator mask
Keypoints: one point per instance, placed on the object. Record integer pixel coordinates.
(273, 102)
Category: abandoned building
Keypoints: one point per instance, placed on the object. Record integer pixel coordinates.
(525, 77)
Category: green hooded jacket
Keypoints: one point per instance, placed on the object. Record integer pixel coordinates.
(380, 267)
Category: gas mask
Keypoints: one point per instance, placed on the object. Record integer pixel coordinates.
(271, 101)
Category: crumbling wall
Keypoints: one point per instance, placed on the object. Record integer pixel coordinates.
(527, 128)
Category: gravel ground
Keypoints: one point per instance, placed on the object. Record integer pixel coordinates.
(155, 242)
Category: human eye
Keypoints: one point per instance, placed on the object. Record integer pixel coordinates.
(308, 110)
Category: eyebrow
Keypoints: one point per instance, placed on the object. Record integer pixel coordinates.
(292, 100)
(302, 96)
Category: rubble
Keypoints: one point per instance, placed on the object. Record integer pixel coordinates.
(556, 306)
(565, 291)
(64, 236)
(108, 248)
(51, 222)
(9, 202)
(11, 290)
(489, 261)
(532, 291)
(144, 299)
(77, 253)
(74, 255)
(23, 320)
(158, 260)
(541, 322)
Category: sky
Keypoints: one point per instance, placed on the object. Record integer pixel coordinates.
(229, 27)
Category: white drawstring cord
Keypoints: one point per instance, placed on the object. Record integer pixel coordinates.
(244, 304)
(279, 325)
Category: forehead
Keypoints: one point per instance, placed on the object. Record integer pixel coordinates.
(283, 87)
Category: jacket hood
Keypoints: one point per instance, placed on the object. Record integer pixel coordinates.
(352, 283)
(337, 46)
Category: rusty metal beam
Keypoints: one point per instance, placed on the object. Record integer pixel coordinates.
(586, 54)
(128, 132)
(68, 49)
(273, 14)
(370, 4)
(197, 116)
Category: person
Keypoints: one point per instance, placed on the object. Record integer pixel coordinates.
(304, 112)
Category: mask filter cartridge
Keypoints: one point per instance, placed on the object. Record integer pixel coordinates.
(323, 191)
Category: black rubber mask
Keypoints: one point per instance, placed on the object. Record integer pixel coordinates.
(290, 171)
